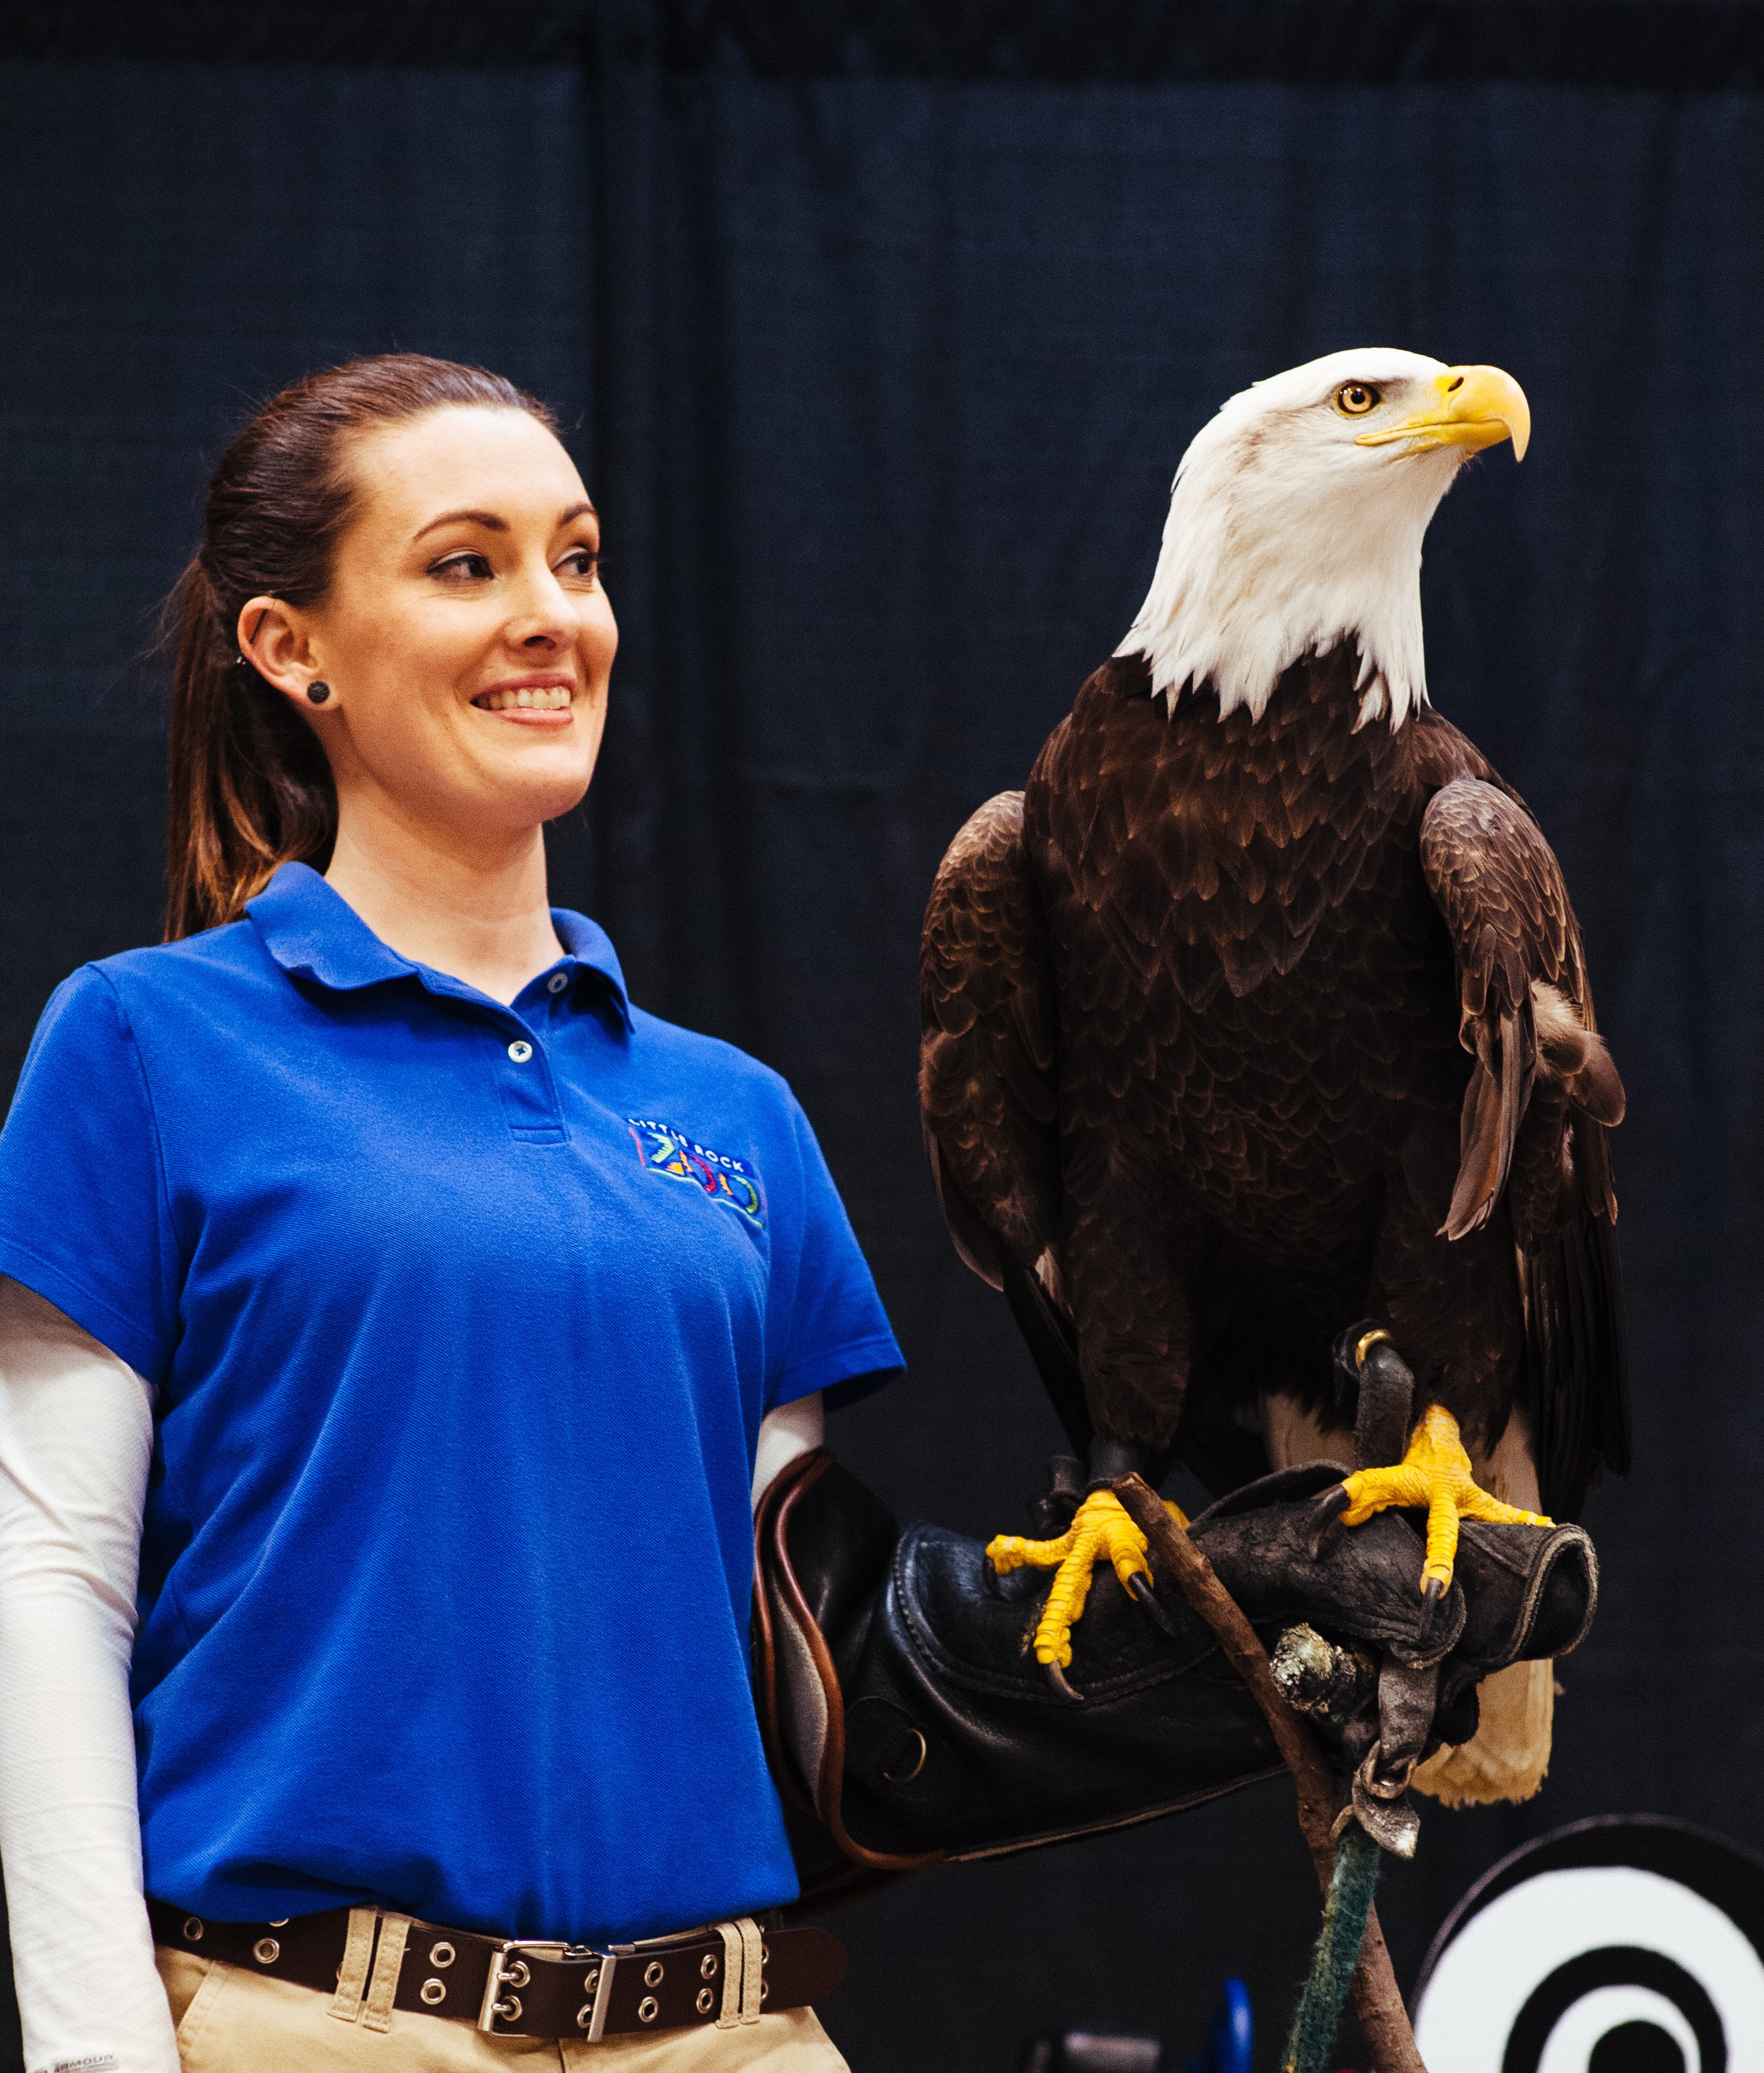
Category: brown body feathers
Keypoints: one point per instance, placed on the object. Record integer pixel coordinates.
(1237, 1031)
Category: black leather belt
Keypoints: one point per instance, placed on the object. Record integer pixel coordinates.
(509, 1987)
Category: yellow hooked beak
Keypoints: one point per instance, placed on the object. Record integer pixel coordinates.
(1473, 407)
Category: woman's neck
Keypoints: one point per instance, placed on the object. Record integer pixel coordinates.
(479, 914)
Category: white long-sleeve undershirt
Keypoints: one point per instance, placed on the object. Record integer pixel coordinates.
(75, 1441)
(76, 1438)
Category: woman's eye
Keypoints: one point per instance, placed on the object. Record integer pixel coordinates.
(462, 568)
(584, 564)
(1354, 399)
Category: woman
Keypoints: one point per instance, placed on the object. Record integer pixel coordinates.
(415, 1306)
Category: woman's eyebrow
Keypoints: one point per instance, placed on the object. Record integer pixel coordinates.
(487, 519)
(491, 523)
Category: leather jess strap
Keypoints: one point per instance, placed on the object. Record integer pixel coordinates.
(728, 1973)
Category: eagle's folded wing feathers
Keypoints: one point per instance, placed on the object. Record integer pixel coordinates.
(986, 1086)
(1526, 1014)
(1524, 1007)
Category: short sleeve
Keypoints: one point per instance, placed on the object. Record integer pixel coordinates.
(834, 1329)
(83, 1216)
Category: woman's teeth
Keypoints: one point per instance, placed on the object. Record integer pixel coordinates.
(545, 698)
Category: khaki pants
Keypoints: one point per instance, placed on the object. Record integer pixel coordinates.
(233, 2021)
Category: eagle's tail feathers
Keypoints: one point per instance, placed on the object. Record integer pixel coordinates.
(1578, 1382)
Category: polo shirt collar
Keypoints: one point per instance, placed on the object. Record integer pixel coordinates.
(314, 933)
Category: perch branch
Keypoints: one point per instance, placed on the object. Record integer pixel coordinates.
(1378, 2005)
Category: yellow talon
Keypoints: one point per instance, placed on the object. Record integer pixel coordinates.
(1100, 1531)
(1434, 1472)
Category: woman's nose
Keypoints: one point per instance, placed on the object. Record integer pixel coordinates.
(547, 619)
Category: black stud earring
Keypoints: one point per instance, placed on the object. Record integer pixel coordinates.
(318, 692)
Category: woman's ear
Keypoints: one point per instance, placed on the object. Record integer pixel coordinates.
(275, 639)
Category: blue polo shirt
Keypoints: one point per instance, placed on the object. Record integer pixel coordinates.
(464, 1319)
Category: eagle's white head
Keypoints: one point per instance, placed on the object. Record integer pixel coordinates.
(1296, 520)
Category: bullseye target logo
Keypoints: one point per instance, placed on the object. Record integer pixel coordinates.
(1624, 1945)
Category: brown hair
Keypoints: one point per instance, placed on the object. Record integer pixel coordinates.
(250, 786)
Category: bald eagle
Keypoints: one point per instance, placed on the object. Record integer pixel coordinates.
(1262, 1012)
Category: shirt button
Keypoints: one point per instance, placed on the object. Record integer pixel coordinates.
(520, 1050)
(556, 983)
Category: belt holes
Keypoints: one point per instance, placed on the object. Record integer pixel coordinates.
(192, 1929)
(442, 1955)
(652, 1973)
(432, 1991)
(585, 2015)
(649, 2008)
(266, 1949)
(515, 1975)
(707, 1967)
(591, 1983)
(706, 2000)
(765, 1987)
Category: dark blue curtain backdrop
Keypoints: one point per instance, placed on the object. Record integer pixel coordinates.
(880, 331)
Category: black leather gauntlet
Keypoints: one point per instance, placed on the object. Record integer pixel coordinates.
(907, 1722)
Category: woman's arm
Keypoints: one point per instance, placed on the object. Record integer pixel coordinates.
(792, 1429)
(76, 1438)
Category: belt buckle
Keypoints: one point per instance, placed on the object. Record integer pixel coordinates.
(509, 1971)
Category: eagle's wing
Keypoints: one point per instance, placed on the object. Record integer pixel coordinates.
(1543, 1093)
(989, 1094)
(987, 1016)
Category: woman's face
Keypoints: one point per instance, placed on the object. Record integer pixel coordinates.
(466, 638)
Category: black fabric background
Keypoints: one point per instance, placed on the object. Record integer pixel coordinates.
(880, 331)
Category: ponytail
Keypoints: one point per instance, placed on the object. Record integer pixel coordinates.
(250, 787)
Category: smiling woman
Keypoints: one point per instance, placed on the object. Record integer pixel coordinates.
(403, 557)
(357, 1328)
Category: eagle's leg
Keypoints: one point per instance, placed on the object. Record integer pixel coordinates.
(1453, 1307)
(1434, 1474)
(1126, 1292)
(1100, 1531)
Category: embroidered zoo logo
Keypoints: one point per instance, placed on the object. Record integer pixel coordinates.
(663, 1149)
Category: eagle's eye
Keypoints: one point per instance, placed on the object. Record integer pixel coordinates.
(1354, 399)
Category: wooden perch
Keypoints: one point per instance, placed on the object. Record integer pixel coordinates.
(1377, 2003)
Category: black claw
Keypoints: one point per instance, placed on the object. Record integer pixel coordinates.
(1326, 1512)
(1056, 1676)
(1433, 1592)
(990, 1576)
(1138, 1587)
